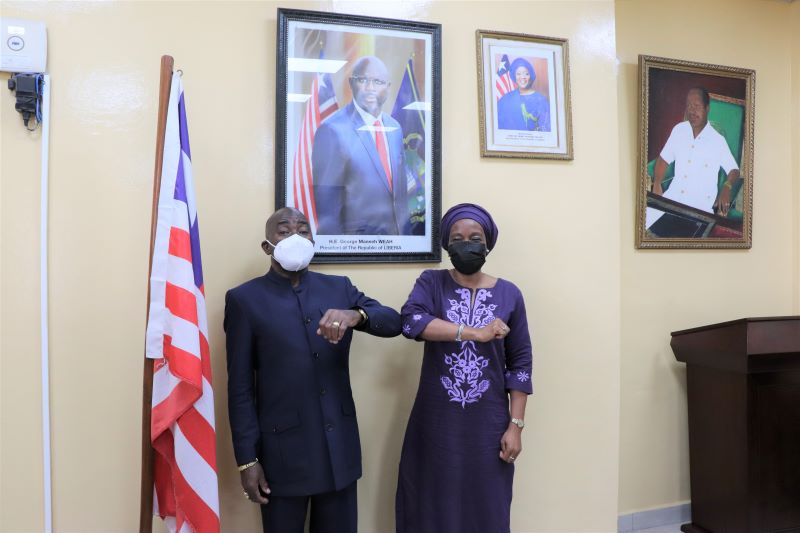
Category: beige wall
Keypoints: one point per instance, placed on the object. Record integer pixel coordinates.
(664, 291)
(555, 244)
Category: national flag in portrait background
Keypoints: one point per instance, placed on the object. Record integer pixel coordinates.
(182, 410)
(321, 104)
(409, 111)
(504, 83)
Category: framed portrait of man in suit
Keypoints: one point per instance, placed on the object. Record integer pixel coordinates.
(358, 134)
(696, 155)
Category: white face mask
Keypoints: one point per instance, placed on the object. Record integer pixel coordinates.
(293, 253)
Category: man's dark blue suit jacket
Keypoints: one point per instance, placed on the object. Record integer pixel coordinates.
(351, 190)
(289, 397)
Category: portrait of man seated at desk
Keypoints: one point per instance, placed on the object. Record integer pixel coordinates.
(698, 169)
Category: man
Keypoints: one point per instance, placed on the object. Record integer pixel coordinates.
(290, 404)
(698, 151)
(358, 166)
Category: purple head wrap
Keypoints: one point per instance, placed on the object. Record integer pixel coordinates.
(522, 62)
(472, 212)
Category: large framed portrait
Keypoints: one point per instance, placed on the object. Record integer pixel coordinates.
(358, 134)
(524, 96)
(695, 156)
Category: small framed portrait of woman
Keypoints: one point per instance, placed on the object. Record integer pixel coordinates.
(523, 96)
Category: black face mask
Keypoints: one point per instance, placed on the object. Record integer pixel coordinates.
(467, 257)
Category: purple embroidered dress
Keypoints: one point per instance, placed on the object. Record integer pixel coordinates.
(451, 478)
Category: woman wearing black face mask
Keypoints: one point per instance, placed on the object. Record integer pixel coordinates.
(464, 434)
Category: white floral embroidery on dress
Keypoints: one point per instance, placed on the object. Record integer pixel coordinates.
(467, 366)
(406, 328)
(523, 376)
(417, 317)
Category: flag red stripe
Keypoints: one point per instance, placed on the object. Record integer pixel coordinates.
(182, 364)
(205, 357)
(197, 431)
(181, 303)
(180, 244)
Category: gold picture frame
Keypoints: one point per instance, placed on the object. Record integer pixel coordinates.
(534, 123)
(696, 124)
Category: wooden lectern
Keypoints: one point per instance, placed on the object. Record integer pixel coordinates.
(743, 386)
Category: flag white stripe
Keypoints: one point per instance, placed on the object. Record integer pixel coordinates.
(179, 218)
(185, 335)
(164, 382)
(205, 405)
(170, 523)
(181, 273)
(169, 171)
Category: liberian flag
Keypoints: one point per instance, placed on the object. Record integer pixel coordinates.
(504, 83)
(182, 423)
(321, 105)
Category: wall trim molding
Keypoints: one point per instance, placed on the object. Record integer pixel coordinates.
(675, 514)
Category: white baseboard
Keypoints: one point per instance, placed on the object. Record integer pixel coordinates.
(676, 514)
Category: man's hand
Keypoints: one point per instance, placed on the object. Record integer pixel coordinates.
(496, 329)
(657, 189)
(659, 172)
(511, 444)
(723, 203)
(255, 484)
(334, 323)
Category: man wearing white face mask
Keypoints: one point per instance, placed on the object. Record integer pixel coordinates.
(290, 403)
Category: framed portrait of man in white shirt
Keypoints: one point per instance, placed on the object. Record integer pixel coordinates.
(696, 155)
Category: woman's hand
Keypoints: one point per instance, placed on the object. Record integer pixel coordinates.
(511, 443)
(255, 484)
(334, 323)
(496, 329)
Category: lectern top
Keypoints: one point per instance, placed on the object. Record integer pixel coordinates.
(765, 344)
(734, 322)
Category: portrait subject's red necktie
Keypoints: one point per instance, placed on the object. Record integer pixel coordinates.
(381, 145)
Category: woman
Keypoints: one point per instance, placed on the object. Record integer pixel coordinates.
(461, 442)
(523, 108)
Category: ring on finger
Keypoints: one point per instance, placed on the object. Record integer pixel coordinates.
(336, 324)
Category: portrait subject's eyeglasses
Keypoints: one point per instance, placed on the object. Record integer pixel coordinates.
(360, 80)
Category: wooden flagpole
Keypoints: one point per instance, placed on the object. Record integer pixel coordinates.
(146, 499)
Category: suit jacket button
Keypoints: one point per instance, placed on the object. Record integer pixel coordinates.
(328, 427)
(308, 320)
(316, 355)
(322, 392)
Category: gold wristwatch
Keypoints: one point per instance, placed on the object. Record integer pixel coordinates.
(364, 316)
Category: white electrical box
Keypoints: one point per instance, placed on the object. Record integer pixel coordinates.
(24, 45)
